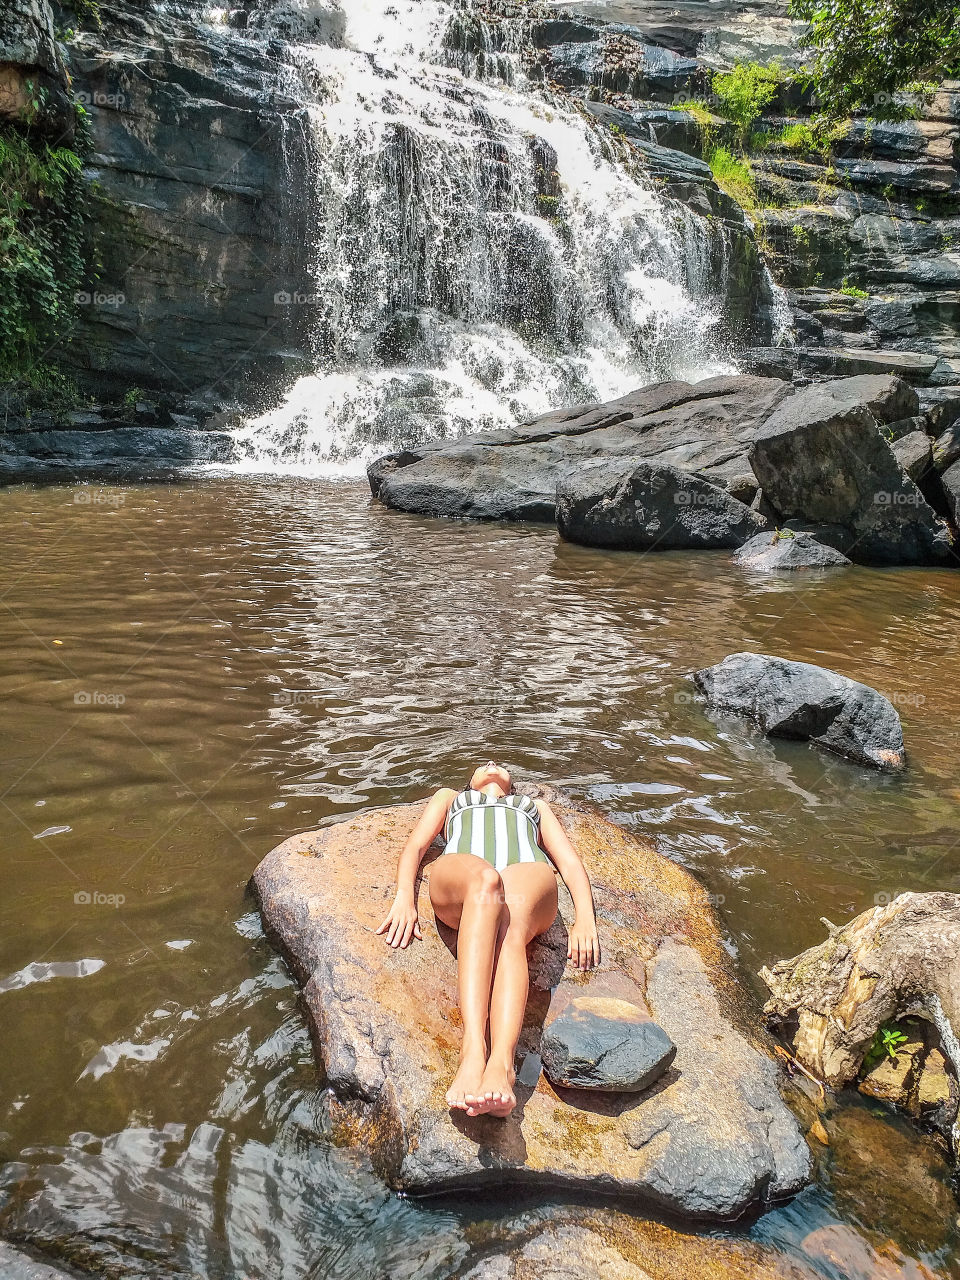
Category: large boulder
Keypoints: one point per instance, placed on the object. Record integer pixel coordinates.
(801, 701)
(783, 549)
(820, 457)
(710, 1140)
(644, 506)
(512, 474)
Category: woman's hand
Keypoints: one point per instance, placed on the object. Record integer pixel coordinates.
(401, 924)
(583, 948)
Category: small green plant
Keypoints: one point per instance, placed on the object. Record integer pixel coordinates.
(801, 237)
(796, 137)
(699, 113)
(852, 291)
(733, 176)
(886, 1043)
(132, 398)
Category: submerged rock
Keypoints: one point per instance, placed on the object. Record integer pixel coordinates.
(802, 701)
(605, 1044)
(783, 549)
(641, 506)
(386, 1029)
(589, 1245)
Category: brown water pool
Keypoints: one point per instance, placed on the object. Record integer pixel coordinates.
(194, 671)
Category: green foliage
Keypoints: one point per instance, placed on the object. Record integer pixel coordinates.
(868, 51)
(795, 137)
(734, 176)
(852, 291)
(41, 252)
(886, 1043)
(132, 397)
(743, 94)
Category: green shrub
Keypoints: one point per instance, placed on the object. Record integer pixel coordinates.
(743, 94)
(734, 176)
(852, 291)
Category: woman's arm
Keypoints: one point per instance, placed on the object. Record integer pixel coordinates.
(584, 943)
(402, 924)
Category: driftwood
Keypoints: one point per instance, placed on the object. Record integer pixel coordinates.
(897, 960)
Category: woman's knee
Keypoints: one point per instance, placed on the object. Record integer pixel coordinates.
(486, 886)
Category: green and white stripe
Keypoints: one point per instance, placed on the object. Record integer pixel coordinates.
(503, 831)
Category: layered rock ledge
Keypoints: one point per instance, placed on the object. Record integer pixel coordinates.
(712, 1138)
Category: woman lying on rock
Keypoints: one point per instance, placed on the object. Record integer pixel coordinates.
(497, 887)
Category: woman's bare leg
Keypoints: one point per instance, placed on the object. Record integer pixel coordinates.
(467, 895)
(530, 898)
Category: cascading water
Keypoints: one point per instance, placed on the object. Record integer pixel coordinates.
(480, 257)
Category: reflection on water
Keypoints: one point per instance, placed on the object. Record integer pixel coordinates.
(197, 671)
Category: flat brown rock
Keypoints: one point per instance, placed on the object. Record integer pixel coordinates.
(711, 1139)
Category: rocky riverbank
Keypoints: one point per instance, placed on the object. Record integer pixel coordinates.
(708, 464)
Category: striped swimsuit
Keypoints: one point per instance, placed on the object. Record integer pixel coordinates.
(502, 831)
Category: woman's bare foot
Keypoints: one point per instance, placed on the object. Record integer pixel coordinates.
(464, 1091)
(497, 1097)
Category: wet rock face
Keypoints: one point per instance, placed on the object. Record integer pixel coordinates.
(201, 208)
(386, 1029)
(605, 1044)
(29, 55)
(802, 701)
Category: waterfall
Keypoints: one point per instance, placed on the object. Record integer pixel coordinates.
(481, 254)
